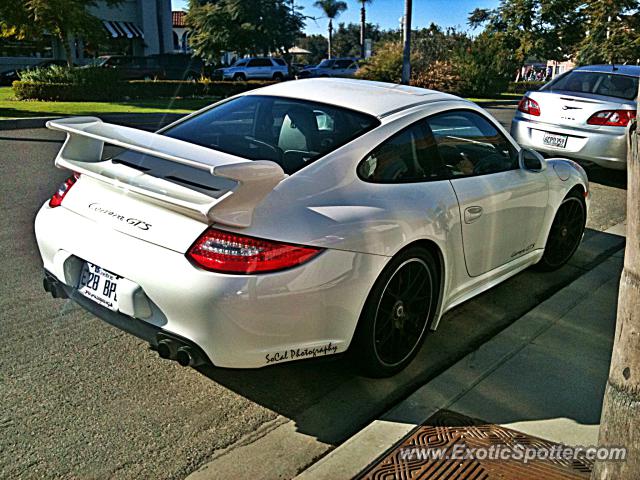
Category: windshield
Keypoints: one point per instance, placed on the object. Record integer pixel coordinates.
(290, 132)
(98, 62)
(325, 63)
(597, 83)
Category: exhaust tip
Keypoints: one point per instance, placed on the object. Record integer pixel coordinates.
(185, 357)
(166, 349)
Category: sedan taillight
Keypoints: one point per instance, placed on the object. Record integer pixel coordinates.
(227, 252)
(527, 105)
(612, 118)
(63, 189)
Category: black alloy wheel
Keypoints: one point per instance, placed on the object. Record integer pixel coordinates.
(397, 313)
(565, 234)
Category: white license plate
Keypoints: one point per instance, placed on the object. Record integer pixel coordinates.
(553, 140)
(99, 285)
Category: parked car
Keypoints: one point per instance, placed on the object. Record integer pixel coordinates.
(177, 66)
(302, 220)
(334, 67)
(583, 114)
(257, 68)
(10, 76)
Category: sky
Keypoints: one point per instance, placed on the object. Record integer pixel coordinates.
(387, 13)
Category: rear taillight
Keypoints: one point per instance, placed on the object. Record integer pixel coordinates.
(612, 118)
(527, 105)
(62, 191)
(226, 252)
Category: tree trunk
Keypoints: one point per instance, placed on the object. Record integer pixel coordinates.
(620, 423)
(363, 26)
(64, 41)
(330, 35)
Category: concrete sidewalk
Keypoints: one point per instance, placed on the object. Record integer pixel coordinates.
(544, 376)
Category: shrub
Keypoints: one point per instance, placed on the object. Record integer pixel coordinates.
(524, 87)
(118, 91)
(385, 65)
(440, 75)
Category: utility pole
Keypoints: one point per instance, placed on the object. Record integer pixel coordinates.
(406, 52)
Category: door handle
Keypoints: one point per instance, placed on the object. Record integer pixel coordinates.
(471, 214)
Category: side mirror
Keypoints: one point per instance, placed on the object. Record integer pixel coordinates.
(531, 160)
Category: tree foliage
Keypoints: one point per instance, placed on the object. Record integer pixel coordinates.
(613, 32)
(259, 26)
(591, 31)
(346, 39)
(331, 9)
(63, 19)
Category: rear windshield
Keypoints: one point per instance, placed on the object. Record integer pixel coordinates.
(290, 132)
(597, 83)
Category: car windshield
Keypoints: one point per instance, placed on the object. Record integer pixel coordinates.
(325, 63)
(290, 132)
(597, 83)
(98, 62)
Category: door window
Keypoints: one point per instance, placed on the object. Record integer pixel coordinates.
(408, 156)
(471, 145)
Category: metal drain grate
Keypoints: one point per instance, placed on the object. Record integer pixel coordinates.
(412, 457)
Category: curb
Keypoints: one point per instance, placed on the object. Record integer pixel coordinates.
(149, 120)
(382, 434)
(20, 123)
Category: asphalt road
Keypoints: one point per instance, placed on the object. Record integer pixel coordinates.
(82, 399)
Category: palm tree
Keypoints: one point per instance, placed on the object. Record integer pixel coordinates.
(331, 9)
(363, 24)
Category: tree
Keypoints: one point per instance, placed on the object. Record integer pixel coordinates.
(332, 9)
(63, 19)
(620, 422)
(260, 26)
(346, 39)
(316, 44)
(540, 29)
(613, 34)
(363, 24)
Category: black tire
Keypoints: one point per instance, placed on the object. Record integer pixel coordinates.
(565, 235)
(278, 77)
(239, 77)
(395, 318)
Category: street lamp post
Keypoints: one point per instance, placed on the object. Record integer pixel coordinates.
(406, 53)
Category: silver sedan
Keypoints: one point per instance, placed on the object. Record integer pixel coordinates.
(583, 114)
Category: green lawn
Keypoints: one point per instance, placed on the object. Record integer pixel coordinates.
(10, 108)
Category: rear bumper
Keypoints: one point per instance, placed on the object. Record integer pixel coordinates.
(238, 321)
(604, 147)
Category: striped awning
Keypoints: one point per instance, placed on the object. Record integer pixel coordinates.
(122, 29)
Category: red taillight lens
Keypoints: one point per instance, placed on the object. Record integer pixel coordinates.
(612, 118)
(226, 252)
(527, 105)
(63, 189)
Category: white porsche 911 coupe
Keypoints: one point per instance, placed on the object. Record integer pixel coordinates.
(302, 220)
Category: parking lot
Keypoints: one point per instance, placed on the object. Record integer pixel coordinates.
(82, 399)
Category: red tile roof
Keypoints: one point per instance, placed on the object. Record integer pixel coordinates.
(178, 19)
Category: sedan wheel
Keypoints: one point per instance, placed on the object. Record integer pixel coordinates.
(397, 313)
(565, 234)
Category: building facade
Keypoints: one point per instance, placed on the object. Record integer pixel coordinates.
(135, 27)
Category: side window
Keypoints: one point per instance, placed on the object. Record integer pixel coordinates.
(408, 156)
(342, 63)
(253, 63)
(280, 62)
(471, 145)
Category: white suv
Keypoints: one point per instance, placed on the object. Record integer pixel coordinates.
(263, 68)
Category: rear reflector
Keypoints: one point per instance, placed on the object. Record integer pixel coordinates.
(63, 189)
(527, 105)
(612, 118)
(227, 252)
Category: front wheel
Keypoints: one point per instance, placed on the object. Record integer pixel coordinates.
(565, 234)
(397, 313)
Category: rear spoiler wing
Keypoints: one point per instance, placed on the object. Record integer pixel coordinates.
(82, 153)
